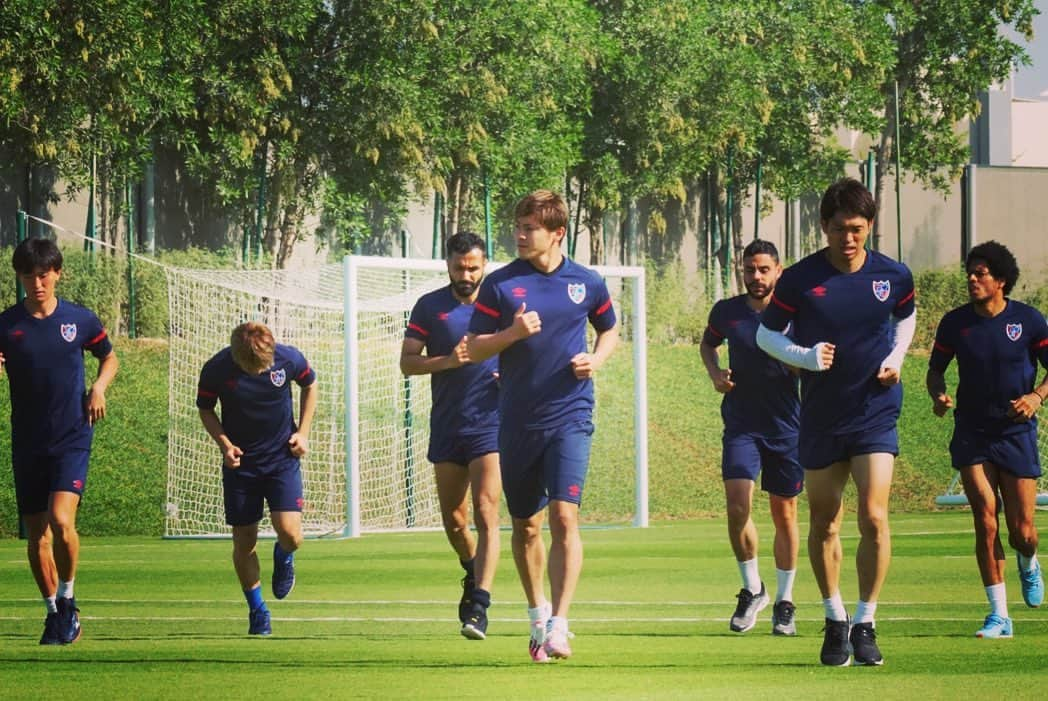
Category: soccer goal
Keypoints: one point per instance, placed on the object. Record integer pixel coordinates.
(367, 470)
(954, 495)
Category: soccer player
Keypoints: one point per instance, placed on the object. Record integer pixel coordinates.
(463, 423)
(260, 446)
(761, 416)
(998, 343)
(853, 318)
(42, 341)
(533, 313)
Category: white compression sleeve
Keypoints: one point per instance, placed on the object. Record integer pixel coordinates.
(904, 330)
(779, 346)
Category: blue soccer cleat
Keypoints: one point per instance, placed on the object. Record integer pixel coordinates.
(476, 625)
(258, 622)
(1033, 585)
(283, 572)
(995, 627)
(51, 634)
(68, 621)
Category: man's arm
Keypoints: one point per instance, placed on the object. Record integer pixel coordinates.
(482, 346)
(781, 347)
(902, 337)
(230, 453)
(412, 362)
(935, 381)
(307, 406)
(96, 396)
(586, 365)
(1024, 408)
(721, 378)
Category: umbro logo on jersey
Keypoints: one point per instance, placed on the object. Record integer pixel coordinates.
(443, 316)
(68, 332)
(519, 292)
(577, 292)
(819, 291)
(882, 289)
(278, 377)
(1013, 331)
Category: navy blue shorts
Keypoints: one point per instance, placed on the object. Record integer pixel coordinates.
(543, 464)
(281, 488)
(818, 452)
(37, 476)
(463, 448)
(1015, 453)
(746, 454)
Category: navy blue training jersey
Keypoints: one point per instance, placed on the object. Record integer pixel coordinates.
(465, 399)
(44, 359)
(996, 362)
(257, 415)
(764, 400)
(538, 386)
(854, 312)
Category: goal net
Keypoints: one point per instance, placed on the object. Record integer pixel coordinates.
(367, 468)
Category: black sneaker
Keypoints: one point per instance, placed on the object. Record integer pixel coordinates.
(51, 634)
(68, 621)
(475, 627)
(864, 641)
(750, 604)
(466, 602)
(836, 648)
(782, 619)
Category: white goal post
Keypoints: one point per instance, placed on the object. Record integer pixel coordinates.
(366, 470)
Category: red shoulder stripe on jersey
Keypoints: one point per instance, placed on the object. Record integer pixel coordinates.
(1041, 344)
(942, 349)
(905, 299)
(205, 393)
(487, 310)
(714, 331)
(304, 373)
(96, 339)
(776, 300)
(604, 307)
(418, 328)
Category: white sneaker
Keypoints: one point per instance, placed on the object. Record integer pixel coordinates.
(537, 642)
(557, 643)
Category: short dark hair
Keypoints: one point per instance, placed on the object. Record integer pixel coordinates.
(463, 242)
(999, 261)
(758, 246)
(849, 196)
(34, 253)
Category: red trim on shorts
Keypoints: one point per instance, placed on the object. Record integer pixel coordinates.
(487, 310)
(416, 327)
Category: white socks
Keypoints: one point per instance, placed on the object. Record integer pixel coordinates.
(65, 589)
(834, 607)
(998, 599)
(751, 578)
(864, 611)
(784, 581)
(1026, 563)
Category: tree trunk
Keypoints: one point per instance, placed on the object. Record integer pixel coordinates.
(595, 224)
(454, 205)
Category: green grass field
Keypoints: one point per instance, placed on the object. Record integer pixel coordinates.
(375, 618)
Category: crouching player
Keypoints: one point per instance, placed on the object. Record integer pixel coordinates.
(998, 343)
(261, 447)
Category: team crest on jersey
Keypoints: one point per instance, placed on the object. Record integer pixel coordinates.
(1013, 331)
(68, 332)
(278, 377)
(577, 292)
(881, 289)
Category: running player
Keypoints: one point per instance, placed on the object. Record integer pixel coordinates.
(260, 446)
(463, 423)
(533, 313)
(42, 341)
(852, 312)
(761, 415)
(998, 343)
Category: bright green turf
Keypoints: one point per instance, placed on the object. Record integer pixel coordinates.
(165, 620)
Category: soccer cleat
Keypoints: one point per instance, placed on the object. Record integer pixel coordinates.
(51, 634)
(68, 621)
(836, 647)
(863, 640)
(476, 625)
(258, 622)
(1032, 585)
(745, 616)
(995, 627)
(556, 645)
(782, 621)
(537, 642)
(283, 572)
(466, 602)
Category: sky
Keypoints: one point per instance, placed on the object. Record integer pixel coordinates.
(1032, 81)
